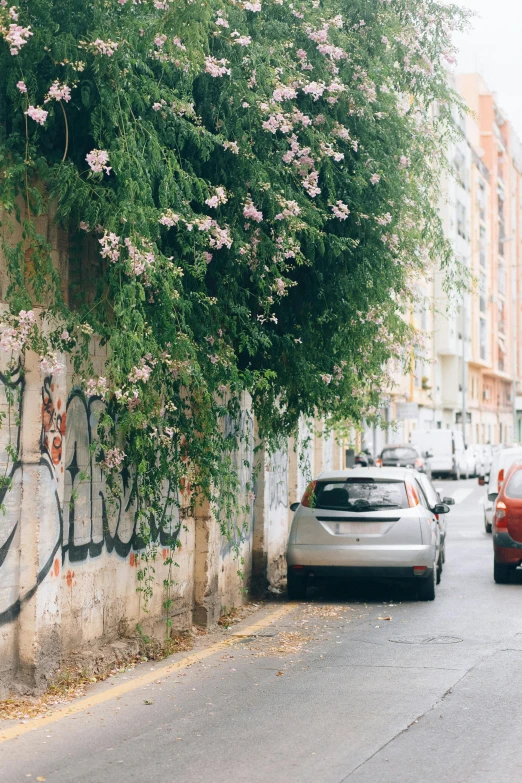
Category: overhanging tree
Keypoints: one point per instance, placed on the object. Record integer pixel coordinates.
(259, 179)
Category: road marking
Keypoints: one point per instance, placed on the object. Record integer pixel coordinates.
(126, 687)
(461, 494)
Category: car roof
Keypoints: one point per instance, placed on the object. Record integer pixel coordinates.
(400, 446)
(370, 472)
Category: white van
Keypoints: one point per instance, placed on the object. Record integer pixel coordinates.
(446, 450)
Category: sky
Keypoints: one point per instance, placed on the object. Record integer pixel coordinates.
(493, 47)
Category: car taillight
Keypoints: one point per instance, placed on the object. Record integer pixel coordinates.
(378, 462)
(413, 498)
(419, 463)
(501, 515)
(500, 478)
(308, 494)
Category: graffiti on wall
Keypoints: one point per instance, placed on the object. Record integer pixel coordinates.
(241, 428)
(278, 482)
(90, 525)
(74, 514)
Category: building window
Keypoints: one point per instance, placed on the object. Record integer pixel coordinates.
(501, 228)
(461, 220)
(482, 203)
(501, 279)
(483, 339)
(482, 246)
(482, 292)
(501, 317)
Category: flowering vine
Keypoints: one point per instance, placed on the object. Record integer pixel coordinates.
(257, 181)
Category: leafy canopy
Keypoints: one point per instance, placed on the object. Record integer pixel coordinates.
(249, 191)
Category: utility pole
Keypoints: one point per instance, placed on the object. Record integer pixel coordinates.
(464, 370)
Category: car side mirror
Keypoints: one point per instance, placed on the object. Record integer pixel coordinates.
(492, 496)
(441, 508)
(482, 481)
(294, 506)
(428, 454)
(449, 501)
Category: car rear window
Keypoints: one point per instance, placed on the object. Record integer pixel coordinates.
(361, 494)
(514, 487)
(399, 453)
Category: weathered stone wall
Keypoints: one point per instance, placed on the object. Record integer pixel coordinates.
(69, 559)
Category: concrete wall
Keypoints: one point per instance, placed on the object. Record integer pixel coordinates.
(70, 558)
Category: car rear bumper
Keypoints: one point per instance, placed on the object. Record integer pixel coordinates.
(364, 572)
(361, 556)
(505, 549)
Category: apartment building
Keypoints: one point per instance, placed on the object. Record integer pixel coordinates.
(468, 376)
(493, 367)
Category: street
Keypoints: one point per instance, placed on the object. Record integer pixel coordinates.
(360, 683)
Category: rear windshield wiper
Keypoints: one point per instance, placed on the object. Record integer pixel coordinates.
(370, 506)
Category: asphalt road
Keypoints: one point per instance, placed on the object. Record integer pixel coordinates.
(329, 692)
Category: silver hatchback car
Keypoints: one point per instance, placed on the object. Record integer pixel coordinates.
(365, 521)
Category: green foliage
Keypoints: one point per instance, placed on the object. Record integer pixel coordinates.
(328, 126)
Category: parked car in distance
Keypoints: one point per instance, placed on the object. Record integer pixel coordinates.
(468, 463)
(502, 461)
(483, 457)
(404, 456)
(446, 448)
(366, 522)
(507, 525)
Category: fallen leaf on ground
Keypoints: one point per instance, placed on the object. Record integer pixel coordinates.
(279, 674)
(385, 618)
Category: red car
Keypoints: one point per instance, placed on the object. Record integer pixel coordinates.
(507, 526)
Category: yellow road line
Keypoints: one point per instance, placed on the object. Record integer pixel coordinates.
(144, 679)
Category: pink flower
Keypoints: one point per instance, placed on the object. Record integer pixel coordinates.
(21, 86)
(110, 246)
(97, 387)
(36, 114)
(405, 162)
(232, 146)
(216, 67)
(104, 47)
(140, 373)
(16, 36)
(84, 226)
(58, 92)
(218, 198)
(340, 210)
(315, 89)
(97, 160)
(50, 365)
(375, 178)
(169, 219)
(244, 40)
(255, 6)
(114, 458)
(140, 259)
(251, 212)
